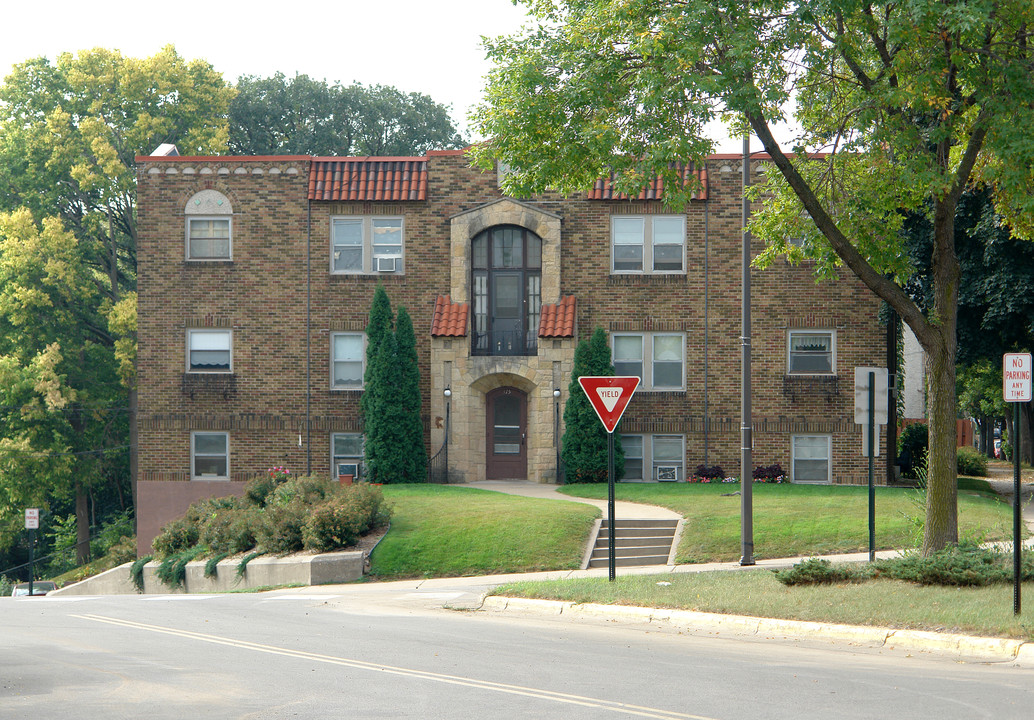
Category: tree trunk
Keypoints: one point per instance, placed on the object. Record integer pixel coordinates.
(1026, 413)
(82, 526)
(941, 481)
(939, 340)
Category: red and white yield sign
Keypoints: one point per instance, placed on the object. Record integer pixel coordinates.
(609, 396)
(1016, 371)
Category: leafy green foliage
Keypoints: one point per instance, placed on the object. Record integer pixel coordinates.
(242, 566)
(173, 569)
(136, 571)
(902, 106)
(301, 116)
(958, 565)
(814, 571)
(344, 518)
(393, 433)
(584, 449)
(913, 446)
(212, 564)
(971, 462)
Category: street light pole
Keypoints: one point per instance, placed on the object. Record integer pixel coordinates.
(746, 422)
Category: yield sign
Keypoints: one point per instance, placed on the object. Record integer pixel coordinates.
(609, 396)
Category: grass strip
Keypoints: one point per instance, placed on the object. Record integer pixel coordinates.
(984, 611)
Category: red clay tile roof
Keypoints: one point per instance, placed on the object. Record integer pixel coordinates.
(450, 319)
(385, 178)
(558, 320)
(654, 190)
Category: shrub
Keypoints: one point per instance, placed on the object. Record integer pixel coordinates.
(710, 473)
(124, 550)
(340, 521)
(176, 536)
(962, 565)
(280, 528)
(112, 532)
(913, 444)
(971, 462)
(308, 489)
(258, 490)
(212, 565)
(814, 571)
(136, 571)
(769, 473)
(173, 569)
(229, 530)
(242, 566)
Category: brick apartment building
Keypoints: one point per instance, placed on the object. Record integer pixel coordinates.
(255, 281)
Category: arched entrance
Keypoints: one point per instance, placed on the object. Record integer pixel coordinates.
(506, 434)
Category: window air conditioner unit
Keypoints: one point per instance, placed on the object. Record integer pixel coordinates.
(348, 469)
(386, 264)
(668, 473)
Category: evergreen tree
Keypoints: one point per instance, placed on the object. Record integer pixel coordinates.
(585, 438)
(391, 402)
(371, 403)
(412, 457)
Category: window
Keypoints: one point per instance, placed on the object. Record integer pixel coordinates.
(209, 351)
(657, 358)
(648, 243)
(208, 238)
(210, 456)
(209, 226)
(664, 453)
(810, 458)
(506, 284)
(812, 352)
(346, 450)
(366, 245)
(346, 362)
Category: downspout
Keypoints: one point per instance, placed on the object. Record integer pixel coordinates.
(308, 336)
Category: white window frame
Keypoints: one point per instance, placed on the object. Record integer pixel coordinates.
(334, 360)
(346, 459)
(370, 258)
(829, 458)
(194, 455)
(649, 241)
(656, 465)
(208, 331)
(651, 465)
(647, 339)
(229, 237)
(832, 334)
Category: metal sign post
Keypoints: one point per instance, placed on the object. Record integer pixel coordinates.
(1016, 388)
(871, 391)
(32, 524)
(609, 396)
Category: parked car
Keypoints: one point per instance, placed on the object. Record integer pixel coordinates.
(39, 587)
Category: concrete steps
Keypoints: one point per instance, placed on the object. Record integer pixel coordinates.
(636, 542)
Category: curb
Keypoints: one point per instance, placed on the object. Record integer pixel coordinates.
(964, 648)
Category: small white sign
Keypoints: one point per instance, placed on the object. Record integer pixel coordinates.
(1016, 368)
(861, 395)
(32, 518)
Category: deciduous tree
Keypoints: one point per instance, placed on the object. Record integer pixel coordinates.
(302, 116)
(902, 106)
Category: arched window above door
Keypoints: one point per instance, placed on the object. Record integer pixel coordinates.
(506, 283)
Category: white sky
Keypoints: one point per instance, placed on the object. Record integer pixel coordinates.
(415, 45)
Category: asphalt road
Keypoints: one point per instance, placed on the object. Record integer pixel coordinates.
(393, 652)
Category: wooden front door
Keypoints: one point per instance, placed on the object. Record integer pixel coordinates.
(506, 414)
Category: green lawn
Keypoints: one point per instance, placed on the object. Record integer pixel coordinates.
(443, 530)
(791, 520)
(886, 603)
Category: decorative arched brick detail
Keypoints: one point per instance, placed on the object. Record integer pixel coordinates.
(505, 211)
